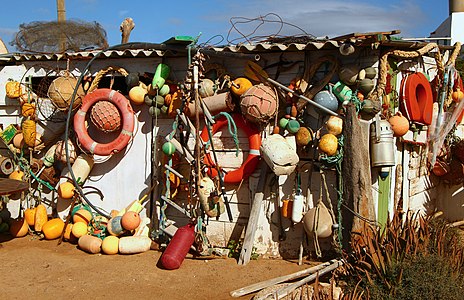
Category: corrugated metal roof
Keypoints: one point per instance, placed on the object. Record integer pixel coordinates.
(265, 47)
(128, 53)
(144, 50)
(168, 50)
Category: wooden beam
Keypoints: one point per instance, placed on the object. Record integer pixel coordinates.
(254, 217)
(264, 284)
(356, 172)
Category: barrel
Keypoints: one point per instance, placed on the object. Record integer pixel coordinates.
(178, 247)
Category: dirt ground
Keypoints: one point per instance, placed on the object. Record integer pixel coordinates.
(40, 269)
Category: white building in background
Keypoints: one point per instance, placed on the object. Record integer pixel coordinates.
(453, 26)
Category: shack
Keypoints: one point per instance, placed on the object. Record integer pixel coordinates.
(280, 147)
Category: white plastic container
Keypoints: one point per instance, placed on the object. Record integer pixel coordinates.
(297, 209)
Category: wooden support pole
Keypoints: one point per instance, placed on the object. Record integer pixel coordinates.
(254, 217)
(356, 168)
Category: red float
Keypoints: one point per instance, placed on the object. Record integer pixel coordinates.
(252, 160)
(178, 247)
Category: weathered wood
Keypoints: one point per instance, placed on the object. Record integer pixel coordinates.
(264, 284)
(289, 289)
(247, 247)
(126, 28)
(357, 184)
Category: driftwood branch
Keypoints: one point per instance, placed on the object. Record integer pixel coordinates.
(126, 28)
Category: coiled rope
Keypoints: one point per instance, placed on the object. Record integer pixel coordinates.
(383, 65)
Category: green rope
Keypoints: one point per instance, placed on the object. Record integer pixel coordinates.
(356, 101)
(233, 131)
(331, 161)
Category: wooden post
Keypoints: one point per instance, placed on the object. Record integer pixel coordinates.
(254, 217)
(126, 27)
(356, 168)
(61, 10)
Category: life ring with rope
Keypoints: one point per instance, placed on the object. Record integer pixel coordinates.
(417, 98)
(127, 115)
(252, 160)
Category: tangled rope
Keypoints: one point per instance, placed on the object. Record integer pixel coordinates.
(102, 73)
(383, 64)
(261, 20)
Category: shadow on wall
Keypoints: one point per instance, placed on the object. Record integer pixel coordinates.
(450, 200)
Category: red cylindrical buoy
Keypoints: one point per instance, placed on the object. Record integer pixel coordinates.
(178, 247)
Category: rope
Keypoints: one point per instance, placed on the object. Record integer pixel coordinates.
(383, 65)
(336, 160)
(358, 104)
(102, 73)
(232, 129)
(330, 161)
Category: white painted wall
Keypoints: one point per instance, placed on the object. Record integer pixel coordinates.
(126, 176)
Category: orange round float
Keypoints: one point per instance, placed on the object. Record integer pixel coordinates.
(252, 160)
(127, 122)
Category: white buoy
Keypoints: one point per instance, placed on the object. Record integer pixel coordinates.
(297, 209)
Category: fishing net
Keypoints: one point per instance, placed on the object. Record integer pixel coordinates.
(46, 108)
(58, 37)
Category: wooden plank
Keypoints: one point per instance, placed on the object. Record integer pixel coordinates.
(264, 284)
(254, 218)
(365, 35)
(383, 200)
(288, 289)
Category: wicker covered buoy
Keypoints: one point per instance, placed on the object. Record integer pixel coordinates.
(105, 116)
(259, 104)
(61, 91)
(60, 151)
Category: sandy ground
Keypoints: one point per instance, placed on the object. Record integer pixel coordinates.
(40, 269)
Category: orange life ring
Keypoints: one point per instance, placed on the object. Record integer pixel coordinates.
(458, 83)
(252, 160)
(126, 111)
(417, 98)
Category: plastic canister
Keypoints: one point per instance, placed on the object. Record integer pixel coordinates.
(342, 92)
(297, 208)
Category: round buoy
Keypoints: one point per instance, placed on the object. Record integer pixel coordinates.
(293, 126)
(105, 116)
(259, 104)
(168, 148)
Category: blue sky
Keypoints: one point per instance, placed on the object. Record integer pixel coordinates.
(157, 21)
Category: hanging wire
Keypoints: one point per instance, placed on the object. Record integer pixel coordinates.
(250, 37)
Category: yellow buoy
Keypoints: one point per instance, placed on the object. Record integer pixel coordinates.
(110, 245)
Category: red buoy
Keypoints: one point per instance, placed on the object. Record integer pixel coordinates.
(178, 247)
